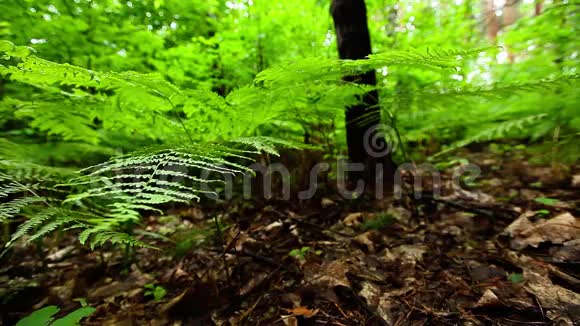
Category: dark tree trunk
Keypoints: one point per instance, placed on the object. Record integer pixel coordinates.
(353, 39)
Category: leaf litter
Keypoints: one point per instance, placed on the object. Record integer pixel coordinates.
(494, 255)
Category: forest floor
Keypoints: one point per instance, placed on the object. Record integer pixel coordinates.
(506, 252)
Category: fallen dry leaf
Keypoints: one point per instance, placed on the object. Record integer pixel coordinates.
(302, 311)
(242, 240)
(549, 294)
(555, 298)
(325, 202)
(576, 181)
(290, 320)
(255, 282)
(410, 254)
(519, 225)
(556, 230)
(364, 239)
(371, 292)
(389, 301)
(569, 251)
(488, 299)
(353, 219)
(329, 274)
(324, 278)
(273, 225)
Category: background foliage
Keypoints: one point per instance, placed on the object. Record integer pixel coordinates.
(200, 83)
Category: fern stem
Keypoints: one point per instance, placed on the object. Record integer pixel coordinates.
(180, 120)
(222, 243)
(399, 139)
(185, 129)
(32, 192)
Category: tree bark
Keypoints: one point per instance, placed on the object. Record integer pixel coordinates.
(353, 40)
(538, 7)
(510, 16)
(491, 22)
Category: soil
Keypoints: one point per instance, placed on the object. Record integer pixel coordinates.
(505, 251)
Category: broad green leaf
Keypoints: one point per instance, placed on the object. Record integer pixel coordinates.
(40, 317)
(74, 317)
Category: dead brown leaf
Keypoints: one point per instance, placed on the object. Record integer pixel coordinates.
(327, 275)
(488, 299)
(576, 181)
(255, 282)
(353, 219)
(569, 251)
(409, 254)
(302, 311)
(364, 239)
(290, 320)
(326, 202)
(549, 294)
(556, 230)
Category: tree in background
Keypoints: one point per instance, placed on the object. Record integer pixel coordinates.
(353, 40)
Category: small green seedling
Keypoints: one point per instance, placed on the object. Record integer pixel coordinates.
(516, 277)
(45, 315)
(383, 220)
(451, 163)
(542, 212)
(155, 291)
(547, 201)
(300, 254)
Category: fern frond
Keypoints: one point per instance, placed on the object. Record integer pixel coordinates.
(16, 196)
(47, 228)
(498, 131)
(102, 230)
(117, 238)
(96, 230)
(166, 174)
(321, 69)
(8, 210)
(431, 58)
(86, 107)
(40, 72)
(25, 172)
(444, 97)
(265, 144)
(35, 221)
(313, 69)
